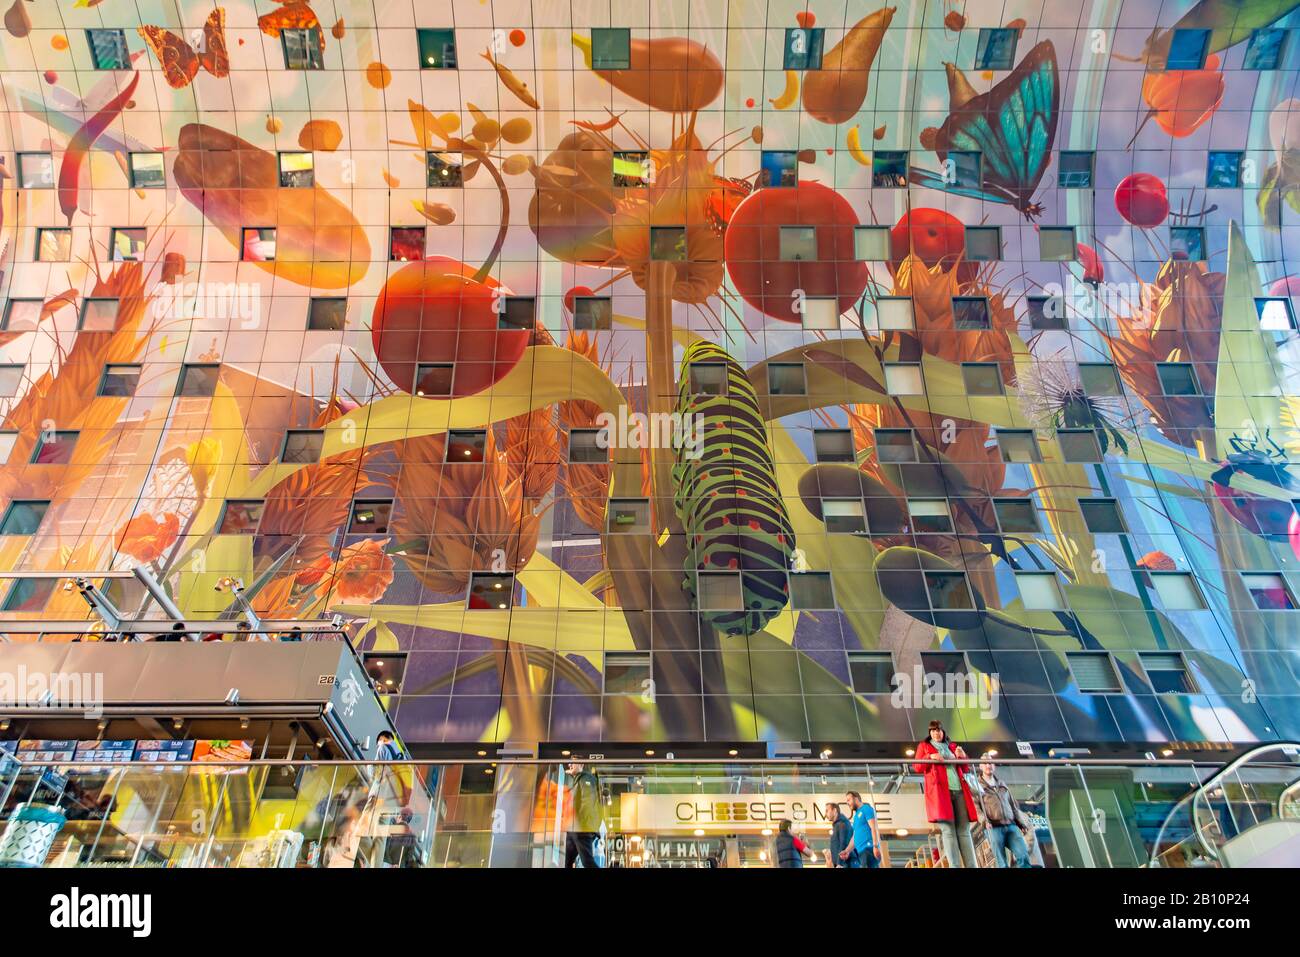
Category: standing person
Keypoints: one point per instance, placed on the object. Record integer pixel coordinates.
(841, 837)
(948, 801)
(580, 842)
(864, 846)
(789, 848)
(1003, 820)
(388, 749)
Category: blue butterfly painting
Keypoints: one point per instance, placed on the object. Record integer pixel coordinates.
(1012, 127)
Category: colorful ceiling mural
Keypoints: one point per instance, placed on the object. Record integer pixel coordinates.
(693, 370)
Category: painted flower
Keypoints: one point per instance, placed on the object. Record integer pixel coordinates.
(364, 572)
(1157, 562)
(312, 573)
(1182, 100)
(146, 539)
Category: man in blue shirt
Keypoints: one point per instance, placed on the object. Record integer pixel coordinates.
(864, 848)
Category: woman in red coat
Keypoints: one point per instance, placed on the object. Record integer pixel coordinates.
(948, 801)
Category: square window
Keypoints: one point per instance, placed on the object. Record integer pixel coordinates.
(844, 515)
(98, 315)
(892, 313)
(668, 244)
(1046, 313)
(406, 243)
(54, 450)
(443, 170)
(370, 516)
(611, 48)
(1187, 50)
(821, 313)
(147, 171)
(970, 312)
(904, 378)
(1094, 672)
(632, 169)
(258, 245)
(1177, 591)
(628, 515)
(241, 517)
(434, 379)
(302, 446)
(803, 48)
(948, 591)
(1079, 445)
(798, 242)
(11, 377)
(811, 591)
(297, 171)
(29, 594)
(944, 663)
(708, 378)
(786, 378)
(467, 445)
(437, 49)
(23, 517)
(779, 168)
(35, 171)
(889, 169)
(871, 244)
(108, 49)
(588, 447)
(1018, 446)
(593, 313)
(1269, 591)
(119, 381)
(1275, 314)
(1056, 244)
(519, 313)
(304, 48)
(490, 592)
(1039, 591)
(1223, 170)
(872, 672)
(1016, 515)
(964, 169)
(719, 591)
(53, 245)
(385, 670)
(8, 439)
(894, 445)
(22, 315)
(833, 445)
(983, 243)
(1102, 516)
(982, 378)
(198, 381)
(327, 314)
(1099, 378)
(1266, 49)
(627, 672)
(1187, 243)
(1074, 169)
(996, 49)
(929, 516)
(127, 245)
(1177, 378)
(1167, 672)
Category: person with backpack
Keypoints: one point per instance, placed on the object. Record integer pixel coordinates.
(1005, 824)
(948, 801)
(580, 840)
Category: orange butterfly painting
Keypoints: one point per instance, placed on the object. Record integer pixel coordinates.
(180, 61)
(295, 15)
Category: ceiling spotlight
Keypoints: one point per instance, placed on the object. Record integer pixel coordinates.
(243, 723)
(699, 832)
(178, 723)
(733, 752)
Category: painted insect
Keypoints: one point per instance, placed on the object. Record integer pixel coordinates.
(1266, 461)
(1012, 127)
(726, 494)
(723, 200)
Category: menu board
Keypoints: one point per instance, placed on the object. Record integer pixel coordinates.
(164, 752)
(46, 751)
(221, 751)
(105, 752)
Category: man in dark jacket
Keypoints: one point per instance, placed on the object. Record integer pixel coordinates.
(1004, 823)
(580, 842)
(841, 834)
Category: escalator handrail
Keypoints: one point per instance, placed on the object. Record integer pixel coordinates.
(1229, 768)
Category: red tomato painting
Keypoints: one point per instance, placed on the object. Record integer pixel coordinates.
(934, 237)
(1142, 200)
